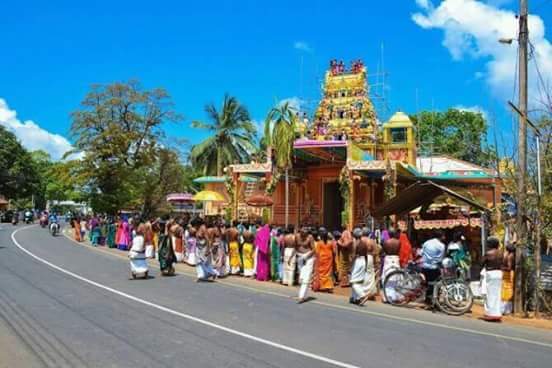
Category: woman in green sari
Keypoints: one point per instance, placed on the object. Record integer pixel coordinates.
(275, 264)
(110, 238)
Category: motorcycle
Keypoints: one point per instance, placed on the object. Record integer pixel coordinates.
(15, 219)
(43, 221)
(54, 228)
(451, 294)
(28, 218)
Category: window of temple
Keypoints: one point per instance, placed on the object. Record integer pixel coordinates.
(398, 135)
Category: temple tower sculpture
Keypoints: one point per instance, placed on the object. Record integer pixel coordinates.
(345, 109)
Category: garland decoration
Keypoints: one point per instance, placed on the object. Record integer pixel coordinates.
(345, 185)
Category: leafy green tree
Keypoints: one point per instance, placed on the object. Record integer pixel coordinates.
(18, 176)
(457, 133)
(166, 175)
(279, 134)
(119, 129)
(232, 139)
(42, 163)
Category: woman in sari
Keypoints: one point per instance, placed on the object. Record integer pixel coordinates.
(262, 239)
(165, 253)
(77, 229)
(95, 231)
(111, 230)
(103, 231)
(204, 270)
(191, 242)
(323, 271)
(275, 258)
(124, 236)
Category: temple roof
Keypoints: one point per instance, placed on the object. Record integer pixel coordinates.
(399, 120)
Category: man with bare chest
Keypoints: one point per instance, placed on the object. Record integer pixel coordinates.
(305, 261)
(391, 261)
(289, 256)
(345, 256)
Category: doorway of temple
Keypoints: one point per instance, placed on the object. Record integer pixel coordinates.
(333, 206)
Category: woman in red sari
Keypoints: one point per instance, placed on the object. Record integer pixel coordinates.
(325, 254)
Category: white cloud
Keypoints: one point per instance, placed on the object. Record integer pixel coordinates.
(472, 29)
(32, 136)
(302, 46)
(294, 102)
(475, 108)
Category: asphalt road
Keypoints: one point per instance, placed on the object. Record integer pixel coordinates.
(88, 313)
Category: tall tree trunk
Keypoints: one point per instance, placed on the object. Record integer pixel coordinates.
(287, 198)
(219, 161)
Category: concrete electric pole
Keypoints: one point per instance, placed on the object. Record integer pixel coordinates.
(523, 39)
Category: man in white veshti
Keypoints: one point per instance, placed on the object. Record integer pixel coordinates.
(305, 262)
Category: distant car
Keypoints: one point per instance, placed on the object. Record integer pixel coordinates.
(6, 216)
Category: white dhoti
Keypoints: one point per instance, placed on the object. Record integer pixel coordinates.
(191, 259)
(363, 278)
(150, 251)
(204, 270)
(138, 263)
(390, 263)
(493, 294)
(305, 276)
(289, 267)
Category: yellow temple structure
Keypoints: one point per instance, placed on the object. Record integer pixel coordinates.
(348, 168)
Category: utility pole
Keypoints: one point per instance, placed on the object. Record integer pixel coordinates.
(522, 155)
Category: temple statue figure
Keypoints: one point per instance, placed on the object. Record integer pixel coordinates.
(345, 107)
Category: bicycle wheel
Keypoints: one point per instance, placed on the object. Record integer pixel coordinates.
(395, 288)
(458, 298)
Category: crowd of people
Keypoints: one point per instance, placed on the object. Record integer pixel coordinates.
(311, 257)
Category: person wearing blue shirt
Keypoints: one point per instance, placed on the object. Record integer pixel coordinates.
(433, 252)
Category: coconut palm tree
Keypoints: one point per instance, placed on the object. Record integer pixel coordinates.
(279, 131)
(232, 139)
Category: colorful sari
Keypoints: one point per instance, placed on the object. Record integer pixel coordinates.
(275, 266)
(166, 255)
(123, 236)
(262, 239)
(77, 230)
(323, 280)
(110, 238)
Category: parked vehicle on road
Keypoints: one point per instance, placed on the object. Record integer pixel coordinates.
(6, 216)
(451, 294)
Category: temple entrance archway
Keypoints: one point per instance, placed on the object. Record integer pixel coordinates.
(332, 206)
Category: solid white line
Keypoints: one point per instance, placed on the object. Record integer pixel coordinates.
(183, 315)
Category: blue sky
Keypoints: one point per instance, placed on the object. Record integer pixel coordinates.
(53, 51)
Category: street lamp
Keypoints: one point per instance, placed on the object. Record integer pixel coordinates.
(506, 41)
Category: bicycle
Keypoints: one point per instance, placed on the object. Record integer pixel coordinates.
(450, 294)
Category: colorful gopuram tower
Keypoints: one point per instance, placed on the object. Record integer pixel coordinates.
(345, 107)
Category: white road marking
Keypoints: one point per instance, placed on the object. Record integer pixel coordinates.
(183, 315)
(355, 310)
